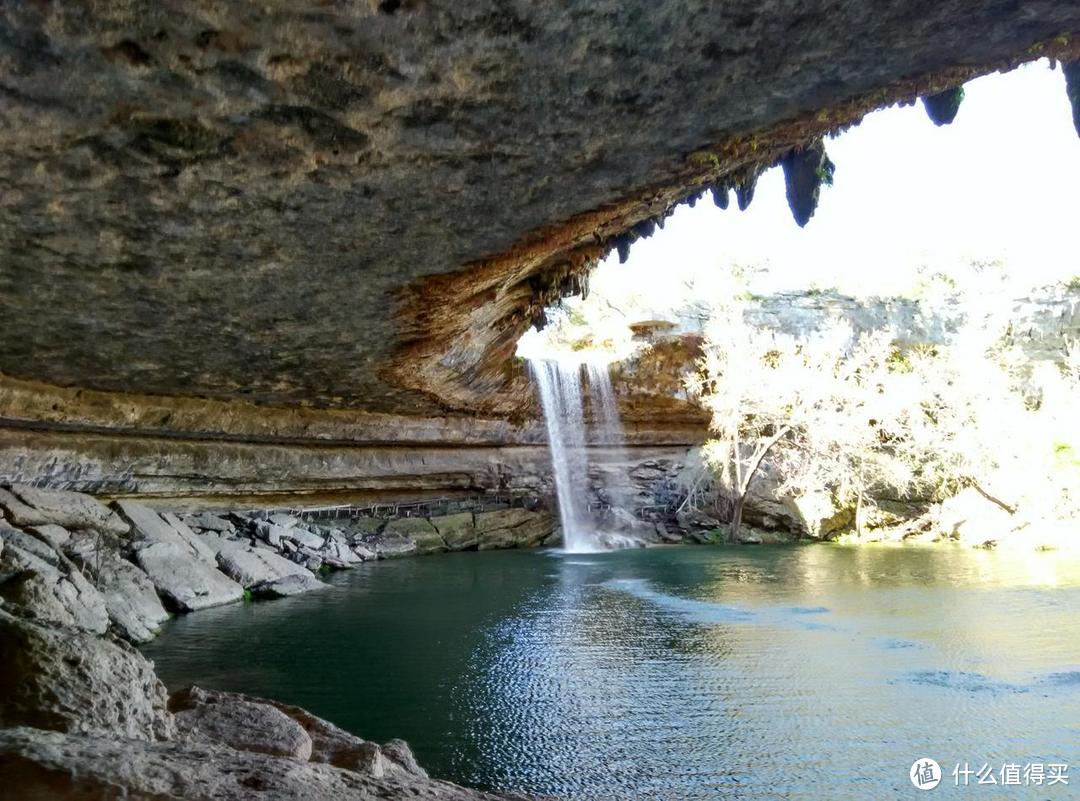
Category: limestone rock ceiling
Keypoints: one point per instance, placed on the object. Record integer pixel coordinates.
(360, 204)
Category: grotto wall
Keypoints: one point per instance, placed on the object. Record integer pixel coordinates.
(305, 211)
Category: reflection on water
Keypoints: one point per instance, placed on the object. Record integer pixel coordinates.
(676, 673)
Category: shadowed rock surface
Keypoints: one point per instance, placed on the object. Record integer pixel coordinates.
(339, 206)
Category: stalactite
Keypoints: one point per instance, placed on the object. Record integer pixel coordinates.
(942, 107)
(1072, 89)
(744, 192)
(804, 173)
(720, 195)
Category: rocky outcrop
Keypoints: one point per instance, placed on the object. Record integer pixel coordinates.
(63, 679)
(133, 606)
(52, 766)
(239, 723)
(29, 506)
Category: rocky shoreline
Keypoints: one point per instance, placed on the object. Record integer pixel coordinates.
(84, 715)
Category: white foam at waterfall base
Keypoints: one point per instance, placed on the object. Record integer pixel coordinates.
(560, 387)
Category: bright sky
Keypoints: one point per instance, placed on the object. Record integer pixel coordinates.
(999, 183)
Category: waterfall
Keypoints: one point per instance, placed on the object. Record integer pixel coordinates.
(608, 430)
(560, 393)
(560, 387)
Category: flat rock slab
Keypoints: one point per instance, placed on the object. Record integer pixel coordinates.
(147, 526)
(29, 506)
(250, 566)
(185, 583)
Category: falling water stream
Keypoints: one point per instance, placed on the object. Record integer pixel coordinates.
(560, 387)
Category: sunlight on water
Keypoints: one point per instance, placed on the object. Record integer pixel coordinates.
(685, 673)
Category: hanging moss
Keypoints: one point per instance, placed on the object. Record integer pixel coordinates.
(1072, 89)
(804, 173)
(942, 107)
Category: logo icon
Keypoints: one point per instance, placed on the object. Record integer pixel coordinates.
(925, 773)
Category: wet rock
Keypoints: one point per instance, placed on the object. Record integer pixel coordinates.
(458, 531)
(250, 566)
(65, 680)
(337, 554)
(365, 552)
(62, 767)
(132, 603)
(29, 506)
(942, 107)
(239, 723)
(512, 528)
(185, 583)
(294, 584)
(407, 535)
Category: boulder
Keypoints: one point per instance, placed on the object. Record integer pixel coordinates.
(131, 601)
(238, 722)
(365, 552)
(65, 680)
(270, 534)
(360, 528)
(28, 544)
(283, 520)
(973, 519)
(61, 767)
(29, 506)
(458, 531)
(338, 555)
(301, 536)
(148, 527)
(512, 528)
(250, 566)
(397, 533)
(52, 534)
(50, 589)
(185, 583)
(329, 743)
(210, 522)
(289, 585)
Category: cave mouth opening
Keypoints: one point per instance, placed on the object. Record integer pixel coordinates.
(943, 191)
(946, 249)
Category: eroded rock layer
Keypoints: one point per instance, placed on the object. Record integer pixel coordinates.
(360, 205)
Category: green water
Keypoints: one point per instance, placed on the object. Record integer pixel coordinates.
(678, 673)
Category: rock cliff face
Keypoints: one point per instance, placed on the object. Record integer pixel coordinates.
(361, 206)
